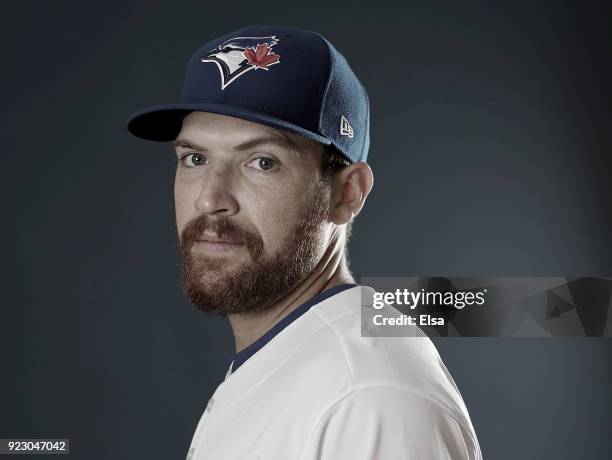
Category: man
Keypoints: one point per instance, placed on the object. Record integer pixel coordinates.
(271, 137)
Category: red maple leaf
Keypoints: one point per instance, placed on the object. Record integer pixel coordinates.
(261, 57)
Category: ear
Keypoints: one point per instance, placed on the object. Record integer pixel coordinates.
(351, 187)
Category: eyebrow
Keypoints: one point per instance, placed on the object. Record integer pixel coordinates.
(281, 140)
(186, 144)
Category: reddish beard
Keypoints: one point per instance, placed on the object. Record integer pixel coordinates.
(257, 284)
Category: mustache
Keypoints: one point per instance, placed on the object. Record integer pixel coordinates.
(225, 228)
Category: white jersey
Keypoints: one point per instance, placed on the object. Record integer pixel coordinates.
(319, 390)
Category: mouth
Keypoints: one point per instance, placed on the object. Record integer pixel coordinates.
(214, 244)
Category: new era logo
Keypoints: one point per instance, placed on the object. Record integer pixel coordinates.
(345, 128)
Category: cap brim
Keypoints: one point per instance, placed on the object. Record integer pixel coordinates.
(162, 123)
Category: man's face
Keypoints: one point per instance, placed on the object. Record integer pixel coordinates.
(251, 212)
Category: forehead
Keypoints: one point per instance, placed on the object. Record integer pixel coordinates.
(213, 129)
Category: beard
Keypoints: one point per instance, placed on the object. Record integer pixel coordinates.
(255, 285)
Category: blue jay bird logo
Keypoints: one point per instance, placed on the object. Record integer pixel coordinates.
(237, 56)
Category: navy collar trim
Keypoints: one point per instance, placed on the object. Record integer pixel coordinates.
(243, 355)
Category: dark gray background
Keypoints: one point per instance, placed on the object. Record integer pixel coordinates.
(490, 147)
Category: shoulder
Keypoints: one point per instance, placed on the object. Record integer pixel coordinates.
(410, 360)
(340, 355)
(371, 392)
(391, 422)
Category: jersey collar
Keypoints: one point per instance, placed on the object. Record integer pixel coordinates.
(243, 355)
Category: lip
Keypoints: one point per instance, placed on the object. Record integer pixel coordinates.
(214, 238)
(216, 245)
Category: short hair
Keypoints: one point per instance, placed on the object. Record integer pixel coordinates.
(334, 161)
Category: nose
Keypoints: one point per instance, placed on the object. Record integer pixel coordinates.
(215, 197)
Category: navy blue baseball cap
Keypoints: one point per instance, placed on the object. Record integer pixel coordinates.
(282, 77)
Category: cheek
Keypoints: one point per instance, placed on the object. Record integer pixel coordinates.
(274, 218)
(183, 205)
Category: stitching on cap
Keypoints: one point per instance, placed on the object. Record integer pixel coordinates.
(367, 98)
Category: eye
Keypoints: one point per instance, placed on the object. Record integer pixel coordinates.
(193, 159)
(263, 163)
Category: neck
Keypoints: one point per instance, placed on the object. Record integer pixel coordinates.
(331, 271)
